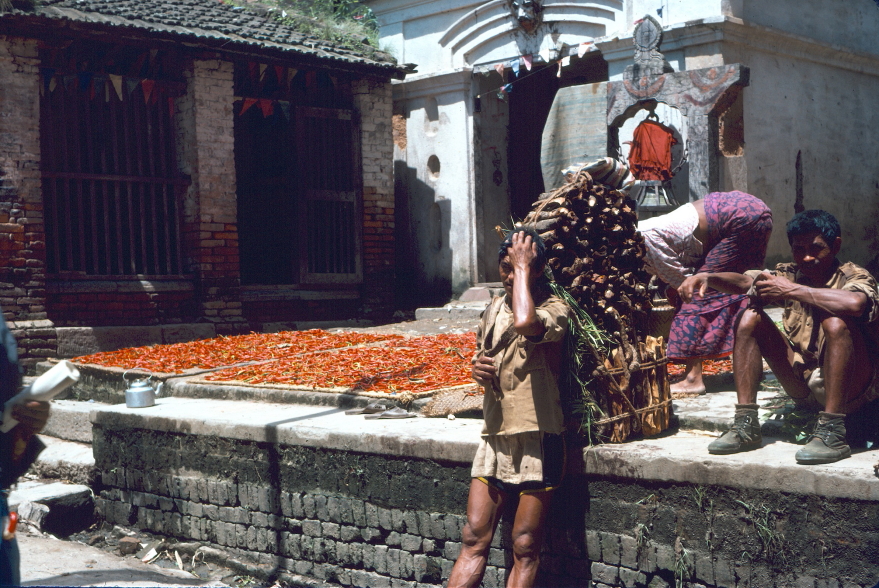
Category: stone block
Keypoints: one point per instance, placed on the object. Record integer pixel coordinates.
(211, 512)
(393, 563)
(410, 543)
(665, 557)
(647, 558)
(427, 569)
(805, 582)
(393, 539)
(330, 530)
(451, 550)
(606, 574)
(410, 522)
(320, 506)
(454, 524)
(658, 582)
(610, 548)
(371, 514)
(368, 555)
(428, 546)
(398, 583)
(308, 507)
(347, 533)
(632, 578)
(437, 526)
(593, 545)
(358, 512)
(425, 526)
(407, 565)
(724, 574)
(380, 559)
(385, 519)
(312, 528)
(704, 569)
(397, 520)
(334, 513)
(234, 515)
(628, 552)
(370, 534)
(497, 557)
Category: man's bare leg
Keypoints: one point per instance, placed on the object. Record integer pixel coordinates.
(483, 512)
(528, 538)
(692, 382)
(757, 337)
(847, 367)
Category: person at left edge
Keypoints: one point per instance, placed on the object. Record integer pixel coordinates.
(19, 447)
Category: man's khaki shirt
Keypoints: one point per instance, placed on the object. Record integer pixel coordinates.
(805, 336)
(528, 372)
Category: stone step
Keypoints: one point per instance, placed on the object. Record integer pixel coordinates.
(69, 420)
(58, 508)
(65, 460)
(454, 310)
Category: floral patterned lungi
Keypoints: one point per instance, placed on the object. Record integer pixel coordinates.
(739, 226)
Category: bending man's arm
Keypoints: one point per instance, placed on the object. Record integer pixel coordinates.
(727, 282)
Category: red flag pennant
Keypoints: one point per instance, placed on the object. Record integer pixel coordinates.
(310, 78)
(253, 70)
(279, 73)
(499, 67)
(147, 87)
(267, 107)
(245, 106)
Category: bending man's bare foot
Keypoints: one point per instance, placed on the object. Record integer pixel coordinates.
(692, 382)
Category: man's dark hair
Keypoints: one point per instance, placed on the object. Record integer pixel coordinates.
(539, 261)
(814, 221)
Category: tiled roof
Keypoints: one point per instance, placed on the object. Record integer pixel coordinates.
(208, 20)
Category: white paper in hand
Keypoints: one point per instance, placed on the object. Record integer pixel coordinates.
(62, 376)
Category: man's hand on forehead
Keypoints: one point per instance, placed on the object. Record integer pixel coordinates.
(523, 250)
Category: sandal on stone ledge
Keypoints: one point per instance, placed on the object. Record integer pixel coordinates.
(371, 408)
(393, 413)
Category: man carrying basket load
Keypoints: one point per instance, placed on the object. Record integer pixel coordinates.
(522, 452)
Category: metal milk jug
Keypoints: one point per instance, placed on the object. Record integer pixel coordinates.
(140, 394)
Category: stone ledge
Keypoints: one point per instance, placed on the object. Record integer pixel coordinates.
(309, 426)
(684, 457)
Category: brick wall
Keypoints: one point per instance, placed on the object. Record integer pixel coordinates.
(22, 235)
(123, 308)
(206, 152)
(361, 519)
(374, 103)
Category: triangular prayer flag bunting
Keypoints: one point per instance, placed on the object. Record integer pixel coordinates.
(285, 109)
(267, 107)
(245, 106)
(583, 48)
(53, 83)
(262, 70)
(508, 88)
(147, 87)
(499, 67)
(527, 59)
(291, 73)
(515, 65)
(279, 73)
(131, 85)
(544, 54)
(70, 82)
(116, 82)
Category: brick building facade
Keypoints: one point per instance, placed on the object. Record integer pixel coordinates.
(125, 203)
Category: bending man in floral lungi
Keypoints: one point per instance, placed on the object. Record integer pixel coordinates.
(723, 232)
(521, 454)
(826, 356)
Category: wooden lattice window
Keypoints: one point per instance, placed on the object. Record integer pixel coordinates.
(298, 177)
(111, 184)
